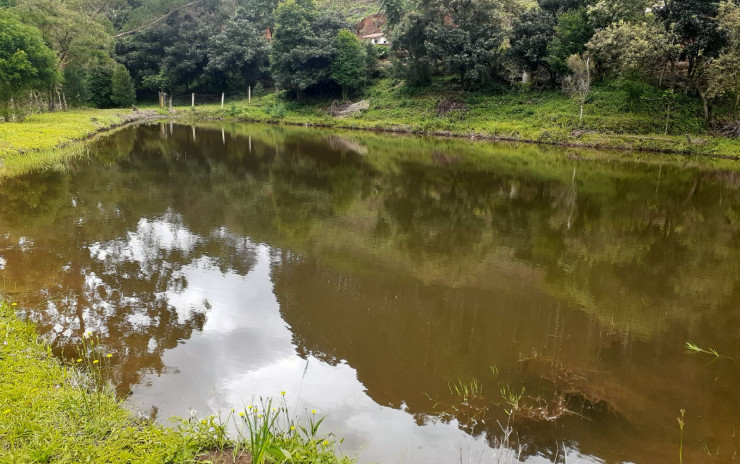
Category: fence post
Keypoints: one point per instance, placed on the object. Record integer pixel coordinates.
(192, 98)
(249, 94)
(170, 102)
(222, 100)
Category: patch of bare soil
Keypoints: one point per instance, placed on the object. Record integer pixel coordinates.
(730, 129)
(225, 456)
(344, 109)
(448, 105)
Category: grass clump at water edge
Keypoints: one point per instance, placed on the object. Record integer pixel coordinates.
(52, 412)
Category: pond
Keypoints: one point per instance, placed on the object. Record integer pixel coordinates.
(437, 300)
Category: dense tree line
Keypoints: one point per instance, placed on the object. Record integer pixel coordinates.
(105, 52)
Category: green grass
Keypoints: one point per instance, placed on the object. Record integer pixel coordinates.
(51, 130)
(51, 412)
(50, 140)
(613, 118)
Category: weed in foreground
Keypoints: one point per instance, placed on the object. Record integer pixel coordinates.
(65, 413)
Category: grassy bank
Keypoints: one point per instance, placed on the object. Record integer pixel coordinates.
(50, 139)
(615, 117)
(51, 412)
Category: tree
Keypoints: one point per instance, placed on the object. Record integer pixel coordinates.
(696, 28)
(303, 46)
(466, 38)
(394, 11)
(409, 43)
(122, 87)
(572, 33)
(632, 50)
(463, 37)
(558, 7)
(75, 35)
(186, 57)
(530, 35)
(729, 71)
(349, 63)
(718, 77)
(606, 12)
(101, 86)
(578, 84)
(25, 61)
(76, 85)
(143, 53)
(240, 52)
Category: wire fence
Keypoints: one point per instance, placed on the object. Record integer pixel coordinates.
(196, 99)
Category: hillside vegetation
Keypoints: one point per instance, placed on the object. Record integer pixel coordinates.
(614, 118)
(658, 62)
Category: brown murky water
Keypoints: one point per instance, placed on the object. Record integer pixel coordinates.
(367, 274)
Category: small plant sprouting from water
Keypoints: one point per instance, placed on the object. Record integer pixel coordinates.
(466, 390)
(692, 348)
(268, 431)
(681, 424)
(513, 399)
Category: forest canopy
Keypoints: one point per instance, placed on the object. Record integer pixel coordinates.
(73, 52)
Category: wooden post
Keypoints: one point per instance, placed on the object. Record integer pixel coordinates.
(223, 135)
(193, 133)
(170, 102)
(249, 94)
(192, 98)
(222, 100)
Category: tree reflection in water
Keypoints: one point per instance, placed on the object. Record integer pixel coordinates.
(418, 262)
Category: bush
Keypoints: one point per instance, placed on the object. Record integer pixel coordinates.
(100, 87)
(122, 87)
(276, 110)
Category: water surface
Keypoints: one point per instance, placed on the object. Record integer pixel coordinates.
(364, 274)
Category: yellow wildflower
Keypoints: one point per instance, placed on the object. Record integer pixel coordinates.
(79, 360)
(282, 393)
(13, 304)
(108, 355)
(95, 362)
(313, 411)
(241, 414)
(292, 427)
